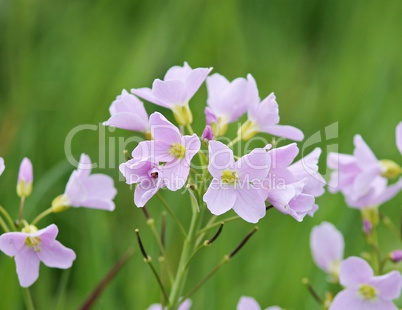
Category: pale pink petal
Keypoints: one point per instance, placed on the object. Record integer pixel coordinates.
(143, 192)
(2, 166)
(169, 92)
(348, 300)
(363, 154)
(285, 131)
(387, 194)
(355, 271)
(216, 83)
(75, 190)
(176, 174)
(56, 255)
(280, 197)
(363, 181)
(247, 303)
(388, 286)
(249, 204)
(192, 145)
(219, 199)
(327, 246)
(194, 81)
(254, 166)
(252, 91)
(146, 93)
(47, 234)
(155, 307)
(84, 165)
(11, 243)
(26, 171)
(300, 206)
(178, 73)
(399, 137)
(185, 305)
(162, 130)
(335, 160)
(27, 263)
(127, 121)
(220, 158)
(283, 156)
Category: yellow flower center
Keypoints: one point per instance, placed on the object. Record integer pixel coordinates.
(177, 150)
(32, 242)
(368, 292)
(229, 177)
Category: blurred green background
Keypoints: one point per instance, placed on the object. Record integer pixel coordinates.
(63, 62)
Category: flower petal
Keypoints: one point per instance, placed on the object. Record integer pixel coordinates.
(163, 130)
(355, 271)
(2, 166)
(27, 266)
(254, 166)
(194, 81)
(283, 156)
(398, 137)
(169, 92)
(11, 243)
(388, 285)
(220, 158)
(56, 255)
(219, 199)
(363, 154)
(285, 131)
(249, 204)
(247, 303)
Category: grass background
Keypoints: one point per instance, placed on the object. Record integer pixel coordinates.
(63, 62)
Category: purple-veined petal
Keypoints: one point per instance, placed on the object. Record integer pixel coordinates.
(176, 174)
(249, 204)
(163, 130)
(194, 81)
(355, 271)
(219, 198)
(388, 286)
(220, 158)
(169, 92)
(247, 303)
(11, 243)
(327, 246)
(144, 191)
(27, 263)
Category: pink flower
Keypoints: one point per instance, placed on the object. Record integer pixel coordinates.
(399, 137)
(128, 112)
(249, 303)
(171, 147)
(30, 247)
(174, 92)
(2, 166)
(25, 178)
(85, 190)
(360, 177)
(147, 174)
(363, 290)
(227, 101)
(264, 117)
(185, 305)
(237, 185)
(286, 190)
(327, 246)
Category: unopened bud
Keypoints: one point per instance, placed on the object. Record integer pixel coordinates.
(25, 178)
(60, 204)
(207, 134)
(182, 114)
(248, 130)
(390, 169)
(396, 256)
(367, 226)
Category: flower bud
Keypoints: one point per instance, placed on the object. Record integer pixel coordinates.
(60, 204)
(367, 226)
(182, 114)
(248, 130)
(390, 169)
(207, 134)
(396, 256)
(25, 178)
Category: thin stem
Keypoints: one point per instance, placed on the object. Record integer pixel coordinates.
(312, 291)
(387, 222)
(234, 141)
(28, 299)
(208, 227)
(21, 210)
(169, 210)
(4, 225)
(190, 129)
(42, 215)
(8, 218)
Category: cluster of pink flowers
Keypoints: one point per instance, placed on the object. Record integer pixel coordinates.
(263, 177)
(30, 246)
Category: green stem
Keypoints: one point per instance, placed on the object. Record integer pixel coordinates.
(190, 129)
(22, 203)
(172, 214)
(182, 270)
(4, 225)
(208, 227)
(234, 141)
(42, 215)
(28, 299)
(8, 218)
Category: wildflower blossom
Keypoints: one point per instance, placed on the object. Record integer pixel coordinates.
(30, 247)
(363, 290)
(85, 190)
(175, 90)
(327, 247)
(128, 112)
(185, 305)
(2, 166)
(227, 101)
(237, 185)
(263, 116)
(361, 176)
(171, 147)
(249, 303)
(25, 178)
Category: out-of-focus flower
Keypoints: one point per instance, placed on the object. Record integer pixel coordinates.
(149, 176)
(2, 166)
(30, 247)
(285, 190)
(249, 303)
(25, 178)
(264, 117)
(396, 256)
(171, 147)
(399, 137)
(185, 305)
(327, 246)
(363, 290)
(175, 90)
(362, 178)
(207, 134)
(237, 185)
(86, 190)
(128, 112)
(227, 101)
